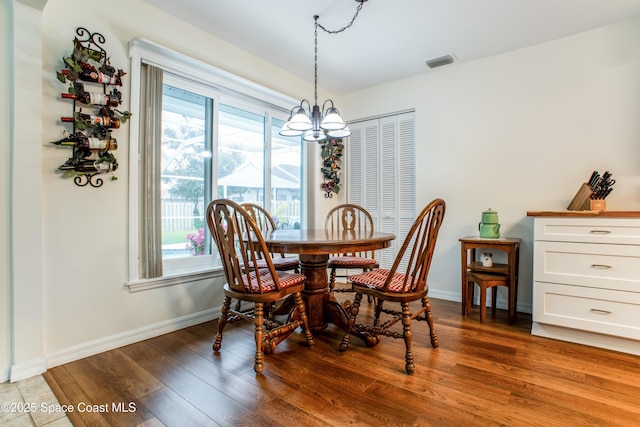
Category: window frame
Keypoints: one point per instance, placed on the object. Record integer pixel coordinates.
(230, 90)
(186, 265)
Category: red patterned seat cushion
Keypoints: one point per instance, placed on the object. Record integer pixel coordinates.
(279, 263)
(286, 280)
(376, 279)
(347, 261)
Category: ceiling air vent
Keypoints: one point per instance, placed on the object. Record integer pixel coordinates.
(441, 60)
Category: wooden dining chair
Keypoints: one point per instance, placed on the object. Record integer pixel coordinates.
(405, 282)
(240, 245)
(349, 217)
(266, 224)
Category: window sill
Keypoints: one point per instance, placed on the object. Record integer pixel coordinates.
(176, 279)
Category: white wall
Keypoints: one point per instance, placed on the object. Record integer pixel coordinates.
(519, 132)
(82, 304)
(86, 241)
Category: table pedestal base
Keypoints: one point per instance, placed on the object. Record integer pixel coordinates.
(322, 308)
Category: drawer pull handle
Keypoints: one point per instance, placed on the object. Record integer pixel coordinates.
(600, 231)
(598, 311)
(601, 266)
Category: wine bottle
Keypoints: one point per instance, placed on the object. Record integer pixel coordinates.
(105, 121)
(97, 166)
(94, 98)
(80, 140)
(90, 74)
(112, 99)
(89, 165)
(100, 77)
(98, 98)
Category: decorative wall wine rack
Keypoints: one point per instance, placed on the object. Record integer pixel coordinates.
(93, 90)
(331, 162)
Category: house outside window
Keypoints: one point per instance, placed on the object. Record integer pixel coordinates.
(214, 142)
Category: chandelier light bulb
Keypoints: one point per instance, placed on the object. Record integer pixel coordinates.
(287, 131)
(300, 121)
(339, 133)
(332, 120)
(314, 136)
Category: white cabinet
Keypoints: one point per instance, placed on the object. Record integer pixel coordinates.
(587, 281)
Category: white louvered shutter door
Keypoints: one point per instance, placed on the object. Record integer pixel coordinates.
(407, 178)
(388, 187)
(381, 176)
(355, 171)
(371, 166)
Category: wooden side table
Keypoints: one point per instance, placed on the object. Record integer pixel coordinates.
(511, 246)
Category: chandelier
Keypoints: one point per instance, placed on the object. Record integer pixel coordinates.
(318, 124)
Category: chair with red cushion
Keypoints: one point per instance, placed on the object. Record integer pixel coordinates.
(405, 282)
(240, 244)
(349, 217)
(266, 224)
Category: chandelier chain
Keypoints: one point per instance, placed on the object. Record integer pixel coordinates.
(360, 4)
(315, 58)
(315, 62)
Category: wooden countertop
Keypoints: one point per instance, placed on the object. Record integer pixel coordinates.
(579, 214)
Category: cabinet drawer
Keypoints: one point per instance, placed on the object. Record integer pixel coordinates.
(596, 266)
(588, 230)
(595, 310)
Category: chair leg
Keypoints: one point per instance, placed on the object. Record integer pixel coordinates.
(258, 313)
(353, 312)
(483, 303)
(406, 334)
(370, 299)
(303, 317)
(377, 312)
(494, 297)
(222, 321)
(469, 301)
(427, 314)
(332, 279)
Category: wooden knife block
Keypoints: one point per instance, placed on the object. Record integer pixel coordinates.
(581, 201)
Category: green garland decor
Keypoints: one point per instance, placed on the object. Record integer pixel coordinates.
(331, 162)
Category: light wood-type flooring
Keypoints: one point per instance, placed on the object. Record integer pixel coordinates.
(481, 375)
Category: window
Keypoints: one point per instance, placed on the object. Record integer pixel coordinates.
(201, 142)
(186, 153)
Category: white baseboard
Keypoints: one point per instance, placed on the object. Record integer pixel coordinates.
(444, 295)
(502, 303)
(4, 375)
(27, 370)
(592, 339)
(129, 337)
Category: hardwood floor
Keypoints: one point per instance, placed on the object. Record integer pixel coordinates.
(481, 375)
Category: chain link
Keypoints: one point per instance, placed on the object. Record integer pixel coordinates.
(360, 4)
(315, 33)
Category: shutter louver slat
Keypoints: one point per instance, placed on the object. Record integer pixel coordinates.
(389, 174)
(371, 168)
(407, 164)
(355, 189)
(382, 176)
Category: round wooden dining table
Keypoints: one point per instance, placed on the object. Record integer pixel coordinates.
(314, 248)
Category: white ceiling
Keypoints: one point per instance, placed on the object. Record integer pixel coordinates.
(390, 39)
